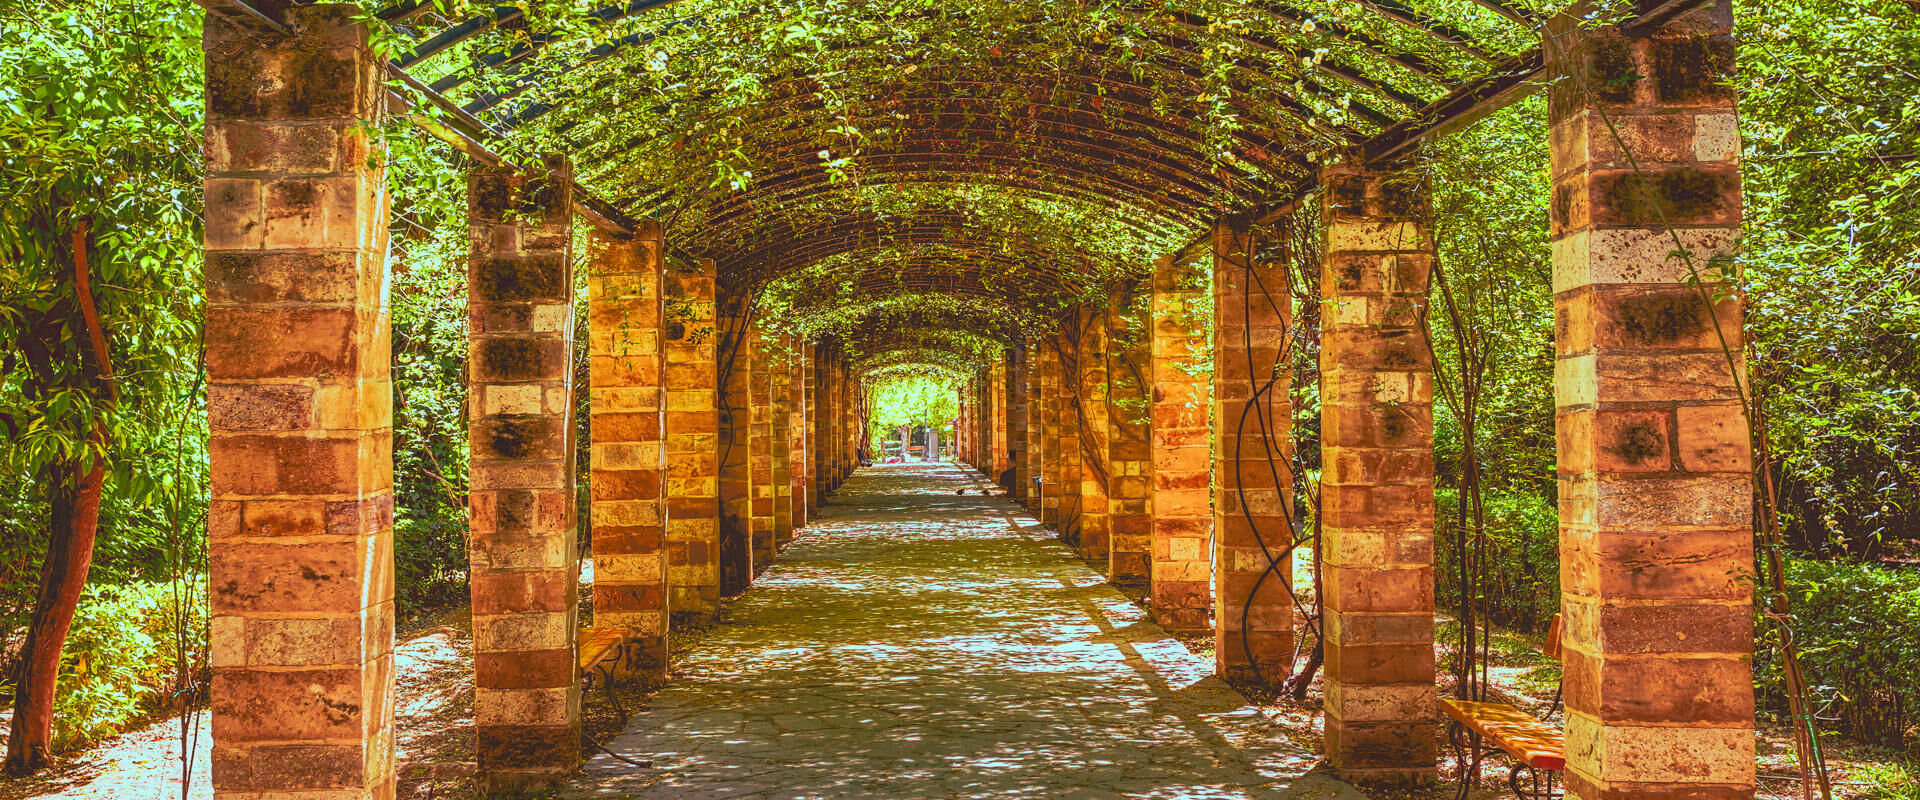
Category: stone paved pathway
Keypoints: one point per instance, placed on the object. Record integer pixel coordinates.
(917, 644)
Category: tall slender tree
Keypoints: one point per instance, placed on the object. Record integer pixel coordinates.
(98, 260)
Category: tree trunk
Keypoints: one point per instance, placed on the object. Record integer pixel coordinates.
(1296, 686)
(75, 505)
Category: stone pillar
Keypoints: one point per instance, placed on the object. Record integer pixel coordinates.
(693, 442)
(1016, 403)
(1036, 429)
(801, 385)
(825, 392)
(960, 447)
(760, 447)
(1182, 591)
(629, 441)
(1067, 433)
(837, 421)
(1376, 489)
(300, 530)
(1049, 406)
(522, 538)
(983, 422)
(1252, 464)
(1090, 400)
(1003, 429)
(1655, 493)
(1129, 431)
(736, 463)
(968, 412)
(855, 421)
(780, 444)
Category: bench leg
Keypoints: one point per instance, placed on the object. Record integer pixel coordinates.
(1467, 754)
(606, 677)
(1539, 784)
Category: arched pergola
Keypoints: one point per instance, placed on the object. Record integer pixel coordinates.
(1032, 196)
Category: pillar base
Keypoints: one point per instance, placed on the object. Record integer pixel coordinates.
(1385, 754)
(511, 748)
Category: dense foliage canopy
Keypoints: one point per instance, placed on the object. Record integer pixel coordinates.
(926, 181)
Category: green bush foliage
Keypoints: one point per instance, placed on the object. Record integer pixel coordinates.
(1888, 782)
(1830, 108)
(100, 105)
(429, 375)
(1523, 586)
(125, 656)
(1858, 627)
(912, 398)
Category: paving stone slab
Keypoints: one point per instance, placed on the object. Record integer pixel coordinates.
(913, 643)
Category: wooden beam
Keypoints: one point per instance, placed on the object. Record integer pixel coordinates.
(1512, 80)
(268, 14)
(1658, 12)
(465, 131)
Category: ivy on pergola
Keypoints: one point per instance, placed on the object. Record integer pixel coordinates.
(858, 166)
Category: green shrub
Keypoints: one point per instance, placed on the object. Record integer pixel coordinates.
(1521, 581)
(122, 656)
(1858, 628)
(1888, 782)
(429, 559)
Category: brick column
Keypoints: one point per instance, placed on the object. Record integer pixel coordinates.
(780, 409)
(983, 423)
(1036, 429)
(736, 470)
(968, 401)
(832, 447)
(760, 447)
(825, 391)
(300, 530)
(837, 422)
(1252, 468)
(693, 442)
(1090, 385)
(629, 441)
(801, 381)
(1182, 589)
(1048, 393)
(1376, 501)
(1655, 498)
(522, 539)
(1129, 431)
(960, 449)
(853, 421)
(1016, 402)
(980, 416)
(997, 456)
(1066, 431)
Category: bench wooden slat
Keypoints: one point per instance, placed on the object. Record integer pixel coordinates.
(1537, 744)
(599, 644)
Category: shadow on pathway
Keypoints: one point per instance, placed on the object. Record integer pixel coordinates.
(913, 644)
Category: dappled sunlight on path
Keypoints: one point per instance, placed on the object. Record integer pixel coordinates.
(915, 643)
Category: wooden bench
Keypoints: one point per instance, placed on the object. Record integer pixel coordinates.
(1538, 748)
(602, 651)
